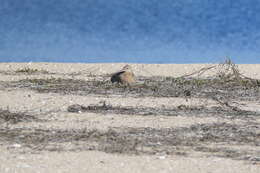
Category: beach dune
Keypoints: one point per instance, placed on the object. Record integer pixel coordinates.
(178, 120)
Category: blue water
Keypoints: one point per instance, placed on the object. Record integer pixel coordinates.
(141, 31)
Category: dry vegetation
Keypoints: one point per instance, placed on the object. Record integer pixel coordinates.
(228, 112)
(12, 117)
(25, 70)
(30, 70)
(227, 87)
(142, 140)
(227, 83)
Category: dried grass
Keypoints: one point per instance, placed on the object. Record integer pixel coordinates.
(142, 140)
(11, 117)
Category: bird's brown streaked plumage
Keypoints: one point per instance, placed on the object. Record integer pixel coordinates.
(124, 76)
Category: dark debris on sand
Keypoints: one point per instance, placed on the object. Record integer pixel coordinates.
(149, 87)
(12, 117)
(227, 83)
(143, 140)
(181, 110)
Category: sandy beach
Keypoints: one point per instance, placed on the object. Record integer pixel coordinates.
(178, 118)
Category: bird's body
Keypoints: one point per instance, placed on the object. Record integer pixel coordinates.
(124, 76)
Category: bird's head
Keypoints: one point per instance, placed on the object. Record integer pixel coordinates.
(127, 68)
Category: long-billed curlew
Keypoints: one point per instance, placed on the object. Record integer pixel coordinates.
(124, 76)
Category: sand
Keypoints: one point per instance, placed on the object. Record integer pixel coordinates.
(52, 107)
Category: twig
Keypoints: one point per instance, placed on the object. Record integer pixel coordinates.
(200, 72)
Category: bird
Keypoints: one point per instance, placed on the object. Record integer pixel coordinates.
(124, 76)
